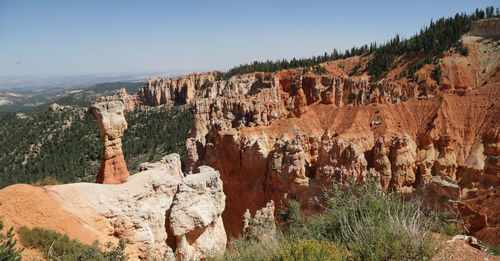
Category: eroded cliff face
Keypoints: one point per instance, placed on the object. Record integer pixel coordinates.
(164, 213)
(112, 125)
(287, 134)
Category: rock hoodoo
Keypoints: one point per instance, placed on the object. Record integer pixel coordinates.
(287, 134)
(112, 125)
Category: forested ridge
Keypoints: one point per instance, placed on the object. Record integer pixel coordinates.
(441, 35)
(66, 146)
(85, 97)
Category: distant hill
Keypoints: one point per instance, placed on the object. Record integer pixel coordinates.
(85, 97)
(41, 99)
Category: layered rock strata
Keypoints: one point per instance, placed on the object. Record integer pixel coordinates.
(112, 125)
(281, 140)
(288, 134)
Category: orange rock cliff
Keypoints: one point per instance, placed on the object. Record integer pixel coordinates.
(281, 135)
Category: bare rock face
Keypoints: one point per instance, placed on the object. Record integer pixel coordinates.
(288, 134)
(59, 108)
(292, 133)
(195, 217)
(159, 210)
(486, 27)
(112, 125)
(262, 224)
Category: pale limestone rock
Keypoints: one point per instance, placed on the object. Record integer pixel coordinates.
(153, 202)
(262, 223)
(196, 214)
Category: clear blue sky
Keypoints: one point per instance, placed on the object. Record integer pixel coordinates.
(80, 37)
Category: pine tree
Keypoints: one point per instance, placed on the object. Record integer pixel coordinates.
(8, 250)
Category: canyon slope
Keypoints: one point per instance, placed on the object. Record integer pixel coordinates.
(288, 134)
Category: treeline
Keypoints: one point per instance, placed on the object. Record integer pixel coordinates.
(272, 66)
(43, 145)
(156, 132)
(439, 36)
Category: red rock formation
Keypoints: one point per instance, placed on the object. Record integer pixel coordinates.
(112, 125)
(248, 133)
(482, 214)
(287, 134)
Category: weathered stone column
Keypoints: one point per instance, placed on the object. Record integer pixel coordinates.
(112, 125)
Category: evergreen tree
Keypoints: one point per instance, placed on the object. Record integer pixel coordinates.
(8, 250)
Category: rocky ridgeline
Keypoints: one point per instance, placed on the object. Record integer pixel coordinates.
(160, 210)
(486, 27)
(258, 99)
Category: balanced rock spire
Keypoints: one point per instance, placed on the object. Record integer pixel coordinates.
(112, 125)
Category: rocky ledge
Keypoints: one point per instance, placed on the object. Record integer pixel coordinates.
(160, 210)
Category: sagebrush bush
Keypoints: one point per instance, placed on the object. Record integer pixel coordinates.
(493, 249)
(309, 250)
(377, 225)
(364, 221)
(444, 222)
(249, 249)
(56, 246)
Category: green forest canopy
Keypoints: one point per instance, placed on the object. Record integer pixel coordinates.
(439, 36)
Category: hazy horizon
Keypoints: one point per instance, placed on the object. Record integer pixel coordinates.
(68, 38)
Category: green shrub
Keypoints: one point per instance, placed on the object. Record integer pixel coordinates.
(370, 223)
(436, 74)
(493, 249)
(308, 249)
(60, 247)
(251, 249)
(443, 222)
(47, 181)
(290, 213)
(376, 225)
(8, 252)
(281, 249)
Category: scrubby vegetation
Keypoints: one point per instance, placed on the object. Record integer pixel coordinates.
(46, 147)
(493, 249)
(56, 246)
(8, 250)
(284, 250)
(439, 36)
(358, 223)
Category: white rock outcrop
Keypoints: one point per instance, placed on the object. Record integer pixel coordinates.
(159, 210)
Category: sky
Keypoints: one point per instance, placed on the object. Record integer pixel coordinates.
(70, 37)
